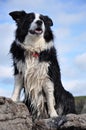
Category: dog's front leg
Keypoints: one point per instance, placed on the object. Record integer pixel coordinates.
(18, 84)
(49, 91)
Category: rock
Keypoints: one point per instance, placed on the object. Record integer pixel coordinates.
(15, 116)
(70, 122)
(77, 122)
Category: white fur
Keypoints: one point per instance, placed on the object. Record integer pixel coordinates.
(49, 90)
(34, 25)
(36, 80)
(35, 45)
(18, 81)
(35, 73)
(34, 42)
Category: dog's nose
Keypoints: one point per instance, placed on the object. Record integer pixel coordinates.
(39, 22)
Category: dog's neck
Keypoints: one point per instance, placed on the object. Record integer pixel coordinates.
(35, 45)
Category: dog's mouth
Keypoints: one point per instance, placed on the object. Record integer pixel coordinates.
(37, 31)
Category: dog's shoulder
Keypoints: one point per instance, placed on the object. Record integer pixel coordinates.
(48, 55)
(17, 51)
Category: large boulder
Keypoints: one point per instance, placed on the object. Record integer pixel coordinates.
(15, 116)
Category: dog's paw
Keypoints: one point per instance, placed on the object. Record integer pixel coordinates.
(53, 113)
(15, 100)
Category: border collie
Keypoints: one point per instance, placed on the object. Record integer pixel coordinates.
(36, 68)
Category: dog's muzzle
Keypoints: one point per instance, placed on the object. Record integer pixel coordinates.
(38, 30)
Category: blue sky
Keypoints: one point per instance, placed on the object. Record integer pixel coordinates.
(69, 17)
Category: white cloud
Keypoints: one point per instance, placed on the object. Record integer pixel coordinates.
(5, 72)
(62, 38)
(62, 33)
(21, 5)
(77, 87)
(80, 61)
(81, 38)
(6, 38)
(7, 33)
(68, 18)
(5, 92)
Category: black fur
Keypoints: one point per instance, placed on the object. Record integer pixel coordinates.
(15, 69)
(17, 52)
(63, 99)
(48, 33)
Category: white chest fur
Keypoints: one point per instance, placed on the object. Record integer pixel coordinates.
(35, 74)
(36, 80)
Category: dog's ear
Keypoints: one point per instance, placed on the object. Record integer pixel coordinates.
(17, 15)
(48, 21)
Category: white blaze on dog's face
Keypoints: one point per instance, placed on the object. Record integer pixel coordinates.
(37, 27)
(33, 30)
(32, 23)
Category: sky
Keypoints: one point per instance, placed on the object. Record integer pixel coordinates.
(69, 18)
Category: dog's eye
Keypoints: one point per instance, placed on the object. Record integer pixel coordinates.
(48, 21)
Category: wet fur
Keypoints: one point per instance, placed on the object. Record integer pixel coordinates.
(40, 76)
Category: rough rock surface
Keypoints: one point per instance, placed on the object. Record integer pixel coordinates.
(15, 116)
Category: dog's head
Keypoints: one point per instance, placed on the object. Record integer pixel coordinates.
(33, 25)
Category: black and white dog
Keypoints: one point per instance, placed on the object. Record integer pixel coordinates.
(36, 67)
